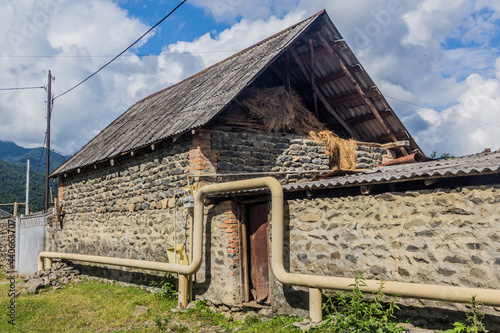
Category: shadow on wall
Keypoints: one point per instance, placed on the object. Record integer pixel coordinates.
(437, 318)
(120, 275)
(202, 288)
(294, 296)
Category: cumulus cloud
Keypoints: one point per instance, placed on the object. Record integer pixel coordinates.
(67, 37)
(469, 126)
(209, 50)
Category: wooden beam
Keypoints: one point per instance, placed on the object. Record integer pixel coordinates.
(402, 143)
(243, 123)
(338, 74)
(368, 117)
(400, 136)
(357, 87)
(320, 52)
(287, 72)
(278, 73)
(313, 78)
(320, 94)
(353, 95)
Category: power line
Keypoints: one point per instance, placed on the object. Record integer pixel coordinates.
(448, 113)
(116, 57)
(21, 88)
(124, 55)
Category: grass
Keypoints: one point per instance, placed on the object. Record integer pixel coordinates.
(91, 306)
(87, 306)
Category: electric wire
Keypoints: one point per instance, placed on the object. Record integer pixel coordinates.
(124, 55)
(116, 57)
(443, 112)
(21, 88)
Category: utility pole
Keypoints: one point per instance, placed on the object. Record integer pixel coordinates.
(27, 211)
(47, 167)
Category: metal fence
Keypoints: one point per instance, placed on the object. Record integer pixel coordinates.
(30, 241)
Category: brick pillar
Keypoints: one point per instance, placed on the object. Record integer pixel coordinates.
(202, 159)
(232, 229)
(60, 190)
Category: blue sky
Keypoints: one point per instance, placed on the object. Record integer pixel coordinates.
(184, 25)
(436, 61)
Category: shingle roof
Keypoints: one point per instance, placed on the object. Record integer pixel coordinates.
(483, 163)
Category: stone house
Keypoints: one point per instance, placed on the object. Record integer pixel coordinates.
(122, 194)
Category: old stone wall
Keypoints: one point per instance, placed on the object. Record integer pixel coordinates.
(444, 237)
(265, 152)
(132, 207)
(6, 244)
(371, 156)
(129, 209)
(219, 279)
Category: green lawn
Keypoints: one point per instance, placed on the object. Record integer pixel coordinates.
(87, 306)
(90, 306)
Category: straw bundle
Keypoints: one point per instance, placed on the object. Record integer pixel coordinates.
(281, 111)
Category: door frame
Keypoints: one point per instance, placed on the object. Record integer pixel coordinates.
(245, 269)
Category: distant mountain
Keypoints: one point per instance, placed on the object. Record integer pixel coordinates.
(13, 187)
(12, 153)
(13, 175)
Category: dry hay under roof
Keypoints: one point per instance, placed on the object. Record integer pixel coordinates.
(281, 111)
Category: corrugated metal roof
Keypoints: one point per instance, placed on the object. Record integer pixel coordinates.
(484, 163)
(185, 105)
(4, 214)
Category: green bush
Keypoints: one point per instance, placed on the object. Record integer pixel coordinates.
(165, 289)
(354, 312)
(473, 323)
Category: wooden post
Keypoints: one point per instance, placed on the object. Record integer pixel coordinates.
(287, 72)
(47, 167)
(183, 292)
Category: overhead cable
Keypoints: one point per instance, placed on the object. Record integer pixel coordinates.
(116, 57)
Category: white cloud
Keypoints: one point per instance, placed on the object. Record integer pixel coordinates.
(71, 32)
(433, 20)
(469, 126)
(231, 10)
(240, 36)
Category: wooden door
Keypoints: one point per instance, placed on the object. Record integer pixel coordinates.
(258, 221)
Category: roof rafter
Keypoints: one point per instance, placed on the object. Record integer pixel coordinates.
(320, 95)
(358, 88)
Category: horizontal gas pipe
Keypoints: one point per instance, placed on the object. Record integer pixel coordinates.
(314, 282)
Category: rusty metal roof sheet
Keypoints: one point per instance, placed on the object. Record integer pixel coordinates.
(483, 163)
